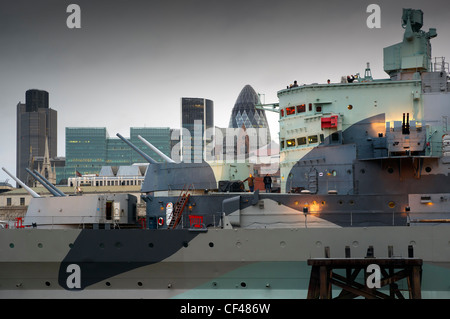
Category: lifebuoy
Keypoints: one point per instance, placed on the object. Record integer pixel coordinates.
(160, 221)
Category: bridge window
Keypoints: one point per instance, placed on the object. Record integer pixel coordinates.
(301, 108)
(301, 141)
(290, 110)
(290, 143)
(312, 139)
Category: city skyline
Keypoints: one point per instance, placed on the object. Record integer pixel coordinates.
(131, 63)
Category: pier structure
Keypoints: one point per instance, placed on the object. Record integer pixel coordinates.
(380, 276)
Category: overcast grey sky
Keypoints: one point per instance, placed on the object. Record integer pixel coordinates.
(132, 61)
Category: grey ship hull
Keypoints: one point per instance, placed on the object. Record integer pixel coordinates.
(220, 263)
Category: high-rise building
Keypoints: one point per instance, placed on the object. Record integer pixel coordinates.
(36, 125)
(245, 115)
(197, 116)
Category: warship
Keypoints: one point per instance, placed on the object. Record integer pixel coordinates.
(363, 163)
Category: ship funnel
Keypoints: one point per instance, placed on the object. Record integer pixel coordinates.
(49, 184)
(147, 158)
(156, 150)
(28, 189)
(51, 190)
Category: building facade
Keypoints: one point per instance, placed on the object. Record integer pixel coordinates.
(88, 149)
(36, 125)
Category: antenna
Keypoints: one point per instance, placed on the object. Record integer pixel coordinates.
(29, 190)
(156, 150)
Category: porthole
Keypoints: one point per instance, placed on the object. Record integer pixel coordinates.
(139, 284)
(350, 106)
(47, 283)
(390, 170)
(101, 245)
(40, 245)
(11, 245)
(428, 169)
(391, 204)
(118, 244)
(211, 244)
(185, 244)
(150, 245)
(71, 245)
(243, 284)
(108, 284)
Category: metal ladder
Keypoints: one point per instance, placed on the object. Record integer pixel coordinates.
(179, 207)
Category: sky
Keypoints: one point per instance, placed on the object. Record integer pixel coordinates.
(132, 61)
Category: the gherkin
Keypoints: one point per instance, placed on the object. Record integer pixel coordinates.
(245, 114)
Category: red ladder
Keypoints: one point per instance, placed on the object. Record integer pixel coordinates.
(179, 207)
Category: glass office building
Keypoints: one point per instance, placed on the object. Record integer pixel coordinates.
(197, 115)
(88, 149)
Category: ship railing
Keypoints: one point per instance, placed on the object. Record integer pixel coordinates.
(53, 222)
(440, 65)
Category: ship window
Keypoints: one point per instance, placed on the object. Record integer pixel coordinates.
(312, 139)
(318, 108)
(290, 143)
(282, 112)
(8, 201)
(301, 141)
(310, 106)
(22, 201)
(282, 144)
(290, 110)
(301, 108)
(322, 138)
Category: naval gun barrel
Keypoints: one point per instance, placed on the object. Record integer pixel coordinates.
(147, 158)
(49, 184)
(45, 184)
(51, 190)
(156, 150)
(29, 190)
